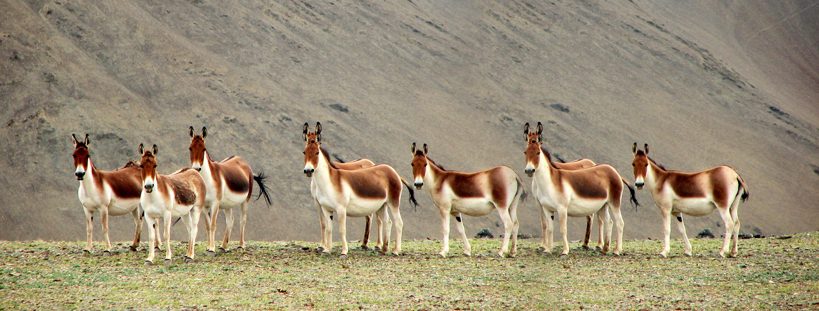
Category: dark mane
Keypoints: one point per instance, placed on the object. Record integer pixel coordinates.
(131, 163)
(326, 156)
(658, 164)
(548, 156)
(436, 164)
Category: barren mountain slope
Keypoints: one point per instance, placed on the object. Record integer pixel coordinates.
(460, 77)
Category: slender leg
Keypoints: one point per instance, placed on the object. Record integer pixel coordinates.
(158, 243)
(399, 228)
(507, 230)
(137, 229)
(214, 216)
(681, 229)
(367, 223)
(342, 230)
(444, 211)
(151, 238)
(549, 235)
(588, 232)
(601, 223)
(513, 214)
(544, 223)
(380, 218)
(328, 231)
(387, 229)
(228, 228)
(167, 222)
(563, 215)
(725, 213)
(194, 219)
(735, 217)
(186, 221)
(321, 225)
(104, 219)
(665, 212)
(619, 224)
(242, 224)
(459, 226)
(89, 230)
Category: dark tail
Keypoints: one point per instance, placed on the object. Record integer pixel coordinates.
(177, 220)
(411, 193)
(633, 196)
(521, 189)
(263, 190)
(745, 193)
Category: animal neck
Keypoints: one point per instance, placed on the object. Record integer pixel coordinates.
(653, 172)
(432, 175)
(545, 170)
(208, 166)
(91, 176)
(323, 172)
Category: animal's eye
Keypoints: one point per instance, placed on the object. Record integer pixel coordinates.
(189, 148)
(632, 164)
(303, 152)
(317, 153)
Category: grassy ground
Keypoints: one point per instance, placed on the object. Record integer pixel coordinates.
(769, 273)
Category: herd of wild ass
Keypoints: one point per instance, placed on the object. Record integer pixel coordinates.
(362, 188)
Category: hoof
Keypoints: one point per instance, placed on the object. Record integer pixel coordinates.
(442, 254)
(733, 254)
(319, 249)
(148, 262)
(86, 251)
(467, 254)
(133, 248)
(188, 259)
(223, 250)
(365, 247)
(395, 253)
(688, 254)
(586, 247)
(564, 254)
(617, 254)
(168, 262)
(722, 254)
(663, 255)
(157, 248)
(343, 256)
(106, 252)
(210, 253)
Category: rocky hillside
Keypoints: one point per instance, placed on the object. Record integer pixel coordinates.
(705, 83)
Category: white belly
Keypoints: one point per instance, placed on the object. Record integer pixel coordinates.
(579, 207)
(122, 206)
(693, 206)
(472, 206)
(232, 199)
(363, 207)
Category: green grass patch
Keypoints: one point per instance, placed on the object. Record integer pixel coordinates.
(769, 273)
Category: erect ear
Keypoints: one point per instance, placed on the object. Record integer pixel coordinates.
(318, 131)
(74, 139)
(413, 147)
(646, 146)
(304, 131)
(204, 132)
(155, 149)
(539, 131)
(86, 140)
(526, 128)
(426, 149)
(634, 148)
(191, 130)
(140, 149)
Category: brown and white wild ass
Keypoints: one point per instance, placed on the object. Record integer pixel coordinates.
(341, 164)
(112, 193)
(180, 194)
(355, 193)
(472, 194)
(578, 192)
(537, 136)
(229, 184)
(696, 194)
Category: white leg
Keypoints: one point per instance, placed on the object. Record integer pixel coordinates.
(681, 229)
(151, 238)
(507, 230)
(211, 218)
(729, 228)
(444, 210)
(104, 219)
(342, 229)
(328, 231)
(459, 226)
(89, 230)
(156, 228)
(619, 224)
(735, 217)
(513, 214)
(602, 242)
(399, 228)
(228, 228)
(322, 242)
(194, 228)
(544, 223)
(665, 212)
(563, 215)
(380, 221)
(242, 224)
(167, 222)
(549, 235)
(387, 230)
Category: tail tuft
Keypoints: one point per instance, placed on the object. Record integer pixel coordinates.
(745, 193)
(263, 189)
(411, 194)
(633, 194)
